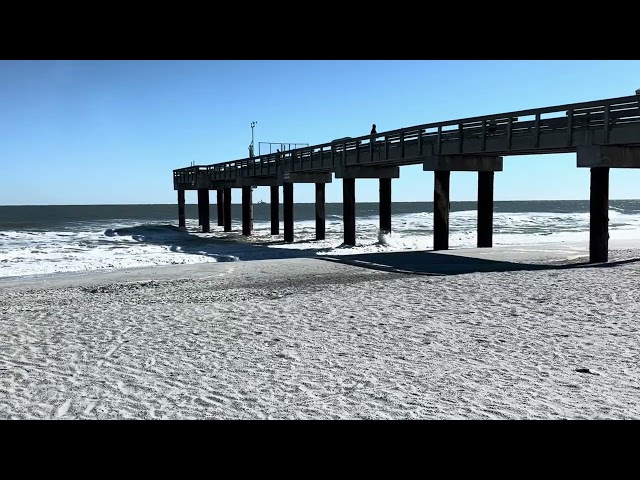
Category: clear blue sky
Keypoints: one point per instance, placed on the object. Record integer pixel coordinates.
(102, 132)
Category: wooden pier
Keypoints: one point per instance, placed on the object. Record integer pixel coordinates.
(604, 134)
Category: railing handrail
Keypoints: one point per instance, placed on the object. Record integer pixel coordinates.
(569, 107)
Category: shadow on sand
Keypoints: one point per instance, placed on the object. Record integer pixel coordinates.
(424, 262)
(437, 263)
(227, 247)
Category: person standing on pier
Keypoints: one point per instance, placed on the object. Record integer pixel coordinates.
(374, 133)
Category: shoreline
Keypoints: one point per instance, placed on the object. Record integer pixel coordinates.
(534, 254)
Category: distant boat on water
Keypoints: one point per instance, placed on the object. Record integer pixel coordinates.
(262, 201)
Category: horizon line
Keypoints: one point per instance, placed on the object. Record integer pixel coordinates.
(299, 203)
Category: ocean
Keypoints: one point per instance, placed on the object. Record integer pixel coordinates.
(39, 240)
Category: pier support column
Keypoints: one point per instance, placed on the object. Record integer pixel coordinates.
(485, 209)
(349, 175)
(349, 210)
(199, 207)
(320, 211)
(599, 219)
(220, 206)
(227, 209)
(275, 210)
(385, 205)
(203, 209)
(287, 194)
(181, 218)
(600, 159)
(247, 210)
(442, 166)
(441, 210)
(288, 179)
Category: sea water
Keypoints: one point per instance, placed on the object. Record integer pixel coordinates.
(36, 240)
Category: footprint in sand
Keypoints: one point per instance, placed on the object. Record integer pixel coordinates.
(227, 271)
(64, 408)
(122, 387)
(90, 407)
(586, 370)
(111, 350)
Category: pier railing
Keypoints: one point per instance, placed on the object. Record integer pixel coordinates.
(557, 129)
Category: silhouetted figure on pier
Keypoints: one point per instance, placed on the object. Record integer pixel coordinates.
(374, 133)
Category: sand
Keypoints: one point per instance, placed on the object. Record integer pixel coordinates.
(503, 333)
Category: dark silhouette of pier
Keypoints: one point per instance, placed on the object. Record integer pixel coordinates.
(604, 134)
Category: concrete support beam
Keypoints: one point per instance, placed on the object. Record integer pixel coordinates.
(305, 177)
(485, 209)
(599, 215)
(608, 156)
(275, 210)
(181, 217)
(462, 163)
(201, 181)
(247, 210)
(227, 209)
(258, 182)
(367, 171)
(441, 210)
(222, 184)
(203, 209)
(287, 194)
(320, 211)
(385, 205)
(220, 206)
(349, 210)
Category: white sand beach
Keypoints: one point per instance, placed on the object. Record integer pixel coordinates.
(503, 333)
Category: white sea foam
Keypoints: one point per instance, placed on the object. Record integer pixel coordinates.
(88, 246)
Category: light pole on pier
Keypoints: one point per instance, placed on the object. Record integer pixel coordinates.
(253, 124)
